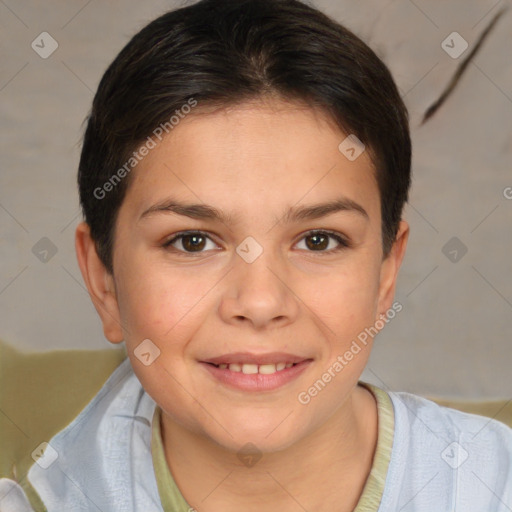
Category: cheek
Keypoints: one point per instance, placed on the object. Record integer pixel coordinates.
(347, 298)
(156, 303)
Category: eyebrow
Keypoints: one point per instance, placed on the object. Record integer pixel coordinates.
(293, 214)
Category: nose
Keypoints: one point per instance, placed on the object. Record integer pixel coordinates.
(259, 294)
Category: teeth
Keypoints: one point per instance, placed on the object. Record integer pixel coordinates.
(249, 368)
(268, 369)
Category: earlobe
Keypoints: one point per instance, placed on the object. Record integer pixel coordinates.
(390, 267)
(99, 282)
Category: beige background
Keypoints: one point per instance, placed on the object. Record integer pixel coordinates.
(452, 337)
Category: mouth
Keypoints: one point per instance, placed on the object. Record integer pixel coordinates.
(253, 372)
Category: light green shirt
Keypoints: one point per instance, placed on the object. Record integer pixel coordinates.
(173, 501)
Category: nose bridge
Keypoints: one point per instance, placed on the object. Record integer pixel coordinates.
(258, 291)
(260, 275)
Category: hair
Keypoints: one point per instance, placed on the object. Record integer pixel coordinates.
(223, 53)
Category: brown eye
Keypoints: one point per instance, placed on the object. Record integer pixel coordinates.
(323, 241)
(316, 241)
(193, 242)
(190, 242)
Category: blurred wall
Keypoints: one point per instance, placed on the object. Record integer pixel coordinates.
(452, 337)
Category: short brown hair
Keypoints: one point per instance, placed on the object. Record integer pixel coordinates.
(224, 52)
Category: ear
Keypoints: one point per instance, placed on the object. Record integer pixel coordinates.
(99, 282)
(389, 269)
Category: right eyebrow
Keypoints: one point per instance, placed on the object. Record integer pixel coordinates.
(194, 211)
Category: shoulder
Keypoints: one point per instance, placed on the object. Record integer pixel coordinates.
(93, 458)
(446, 457)
(417, 406)
(424, 418)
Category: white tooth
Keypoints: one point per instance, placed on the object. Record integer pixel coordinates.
(289, 365)
(223, 366)
(267, 369)
(249, 368)
(235, 367)
(280, 366)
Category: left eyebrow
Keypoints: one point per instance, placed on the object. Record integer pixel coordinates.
(293, 214)
(316, 211)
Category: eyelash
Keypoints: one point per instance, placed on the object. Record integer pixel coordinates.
(343, 242)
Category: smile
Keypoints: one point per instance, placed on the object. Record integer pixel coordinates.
(255, 373)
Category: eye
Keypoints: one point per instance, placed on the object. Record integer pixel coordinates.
(320, 241)
(190, 242)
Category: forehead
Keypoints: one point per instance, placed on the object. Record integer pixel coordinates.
(248, 157)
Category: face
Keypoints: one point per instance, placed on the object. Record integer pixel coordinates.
(248, 241)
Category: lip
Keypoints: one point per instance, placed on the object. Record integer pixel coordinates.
(251, 358)
(256, 382)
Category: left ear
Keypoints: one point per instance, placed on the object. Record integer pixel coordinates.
(389, 269)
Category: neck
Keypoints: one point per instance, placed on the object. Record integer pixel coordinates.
(326, 470)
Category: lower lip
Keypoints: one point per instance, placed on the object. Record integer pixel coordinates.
(256, 381)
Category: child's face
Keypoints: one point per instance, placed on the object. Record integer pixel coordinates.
(253, 164)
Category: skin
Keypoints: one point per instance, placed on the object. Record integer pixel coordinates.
(252, 161)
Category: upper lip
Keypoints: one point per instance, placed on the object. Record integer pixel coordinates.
(247, 357)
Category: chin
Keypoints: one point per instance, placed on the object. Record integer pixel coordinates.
(270, 437)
